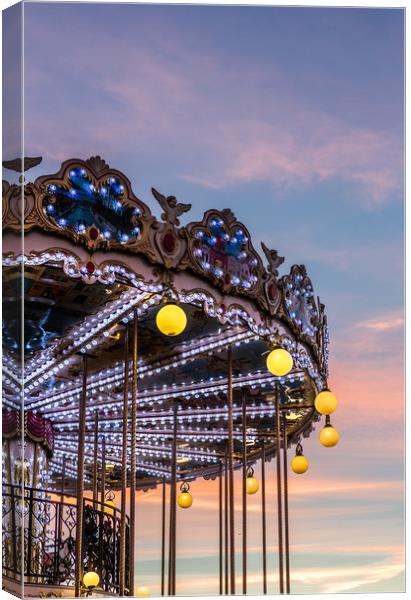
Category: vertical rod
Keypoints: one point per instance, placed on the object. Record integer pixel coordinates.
(244, 440)
(63, 480)
(263, 512)
(172, 526)
(13, 506)
(226, 523)
(123, 531)
(174, 496)
(103, 473)
(35, 465)
(279, 506)
(60, 509)
(80, 481)
(170, 540)
(95, 459)
(286, 528)
(102, 500)
(231, 470)
(163, 535)
(133, 466)
(220, 528)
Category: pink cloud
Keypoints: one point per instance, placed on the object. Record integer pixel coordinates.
(388, 322)
(196, 112)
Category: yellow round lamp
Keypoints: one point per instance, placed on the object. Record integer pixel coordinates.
(329, 436)
(171, 320)
(185, 500)
(299, 464)
(109, 506)
(325, 402)
(91, 579)
(143, 592)
(279, 362)
(252, 485)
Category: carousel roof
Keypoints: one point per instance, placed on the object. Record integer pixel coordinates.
(93, 255)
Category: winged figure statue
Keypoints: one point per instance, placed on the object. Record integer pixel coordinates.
(274, 260)
(172, 209)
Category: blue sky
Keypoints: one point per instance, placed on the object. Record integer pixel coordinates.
(294, 119)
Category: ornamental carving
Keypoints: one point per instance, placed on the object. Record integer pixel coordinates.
(220, 248)
(89, 202)
(168, 239)
(299, 304)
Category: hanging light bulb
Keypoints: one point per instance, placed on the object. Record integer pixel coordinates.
(91, 579)
(185, 499)
(299, 463)
(279, 362)
(325, 402)
(328, 435)
(252, 484)
(171, 320)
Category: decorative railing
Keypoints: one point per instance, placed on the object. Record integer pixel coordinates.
(39, 538)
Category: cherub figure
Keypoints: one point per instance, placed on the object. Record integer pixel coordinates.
(172, 208)
(274, 261)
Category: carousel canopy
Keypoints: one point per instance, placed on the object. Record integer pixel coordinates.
(93, 257)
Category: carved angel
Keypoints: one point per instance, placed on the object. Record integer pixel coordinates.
(172, 209)
(274, 261)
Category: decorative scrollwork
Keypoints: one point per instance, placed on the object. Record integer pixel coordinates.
(49, 535)
(300, 306)
(221, 250)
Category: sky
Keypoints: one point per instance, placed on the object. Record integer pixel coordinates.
(293, 118)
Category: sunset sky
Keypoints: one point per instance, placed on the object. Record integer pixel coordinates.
(293, 118)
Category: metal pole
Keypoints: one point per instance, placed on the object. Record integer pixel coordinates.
(80, 482)
(174, 497)
(220, 528)
(230, 468)
(123, 530)
(163, 536)
(103, 473)
(172, 526)
(63, 480)
(95, 463)
(279, 507)
(133, 477)
(60, 519)
(244, 439)
(286, 529)
(102, 501)
(226, 523)
(263, 509)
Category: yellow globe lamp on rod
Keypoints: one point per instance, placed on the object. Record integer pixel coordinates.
(251, 483)
(329, 436)
(171, 320)
(325, 402)
(299, 463)
(91, 579)
(279, 362)
(185, 499)
(143, 592)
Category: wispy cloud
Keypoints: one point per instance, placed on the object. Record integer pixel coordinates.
(255, 150)
(388, 322)
(161, 102)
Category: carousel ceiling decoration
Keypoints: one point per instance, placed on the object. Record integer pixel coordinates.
(93, 255)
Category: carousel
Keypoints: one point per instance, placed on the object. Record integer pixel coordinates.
(151, 354)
